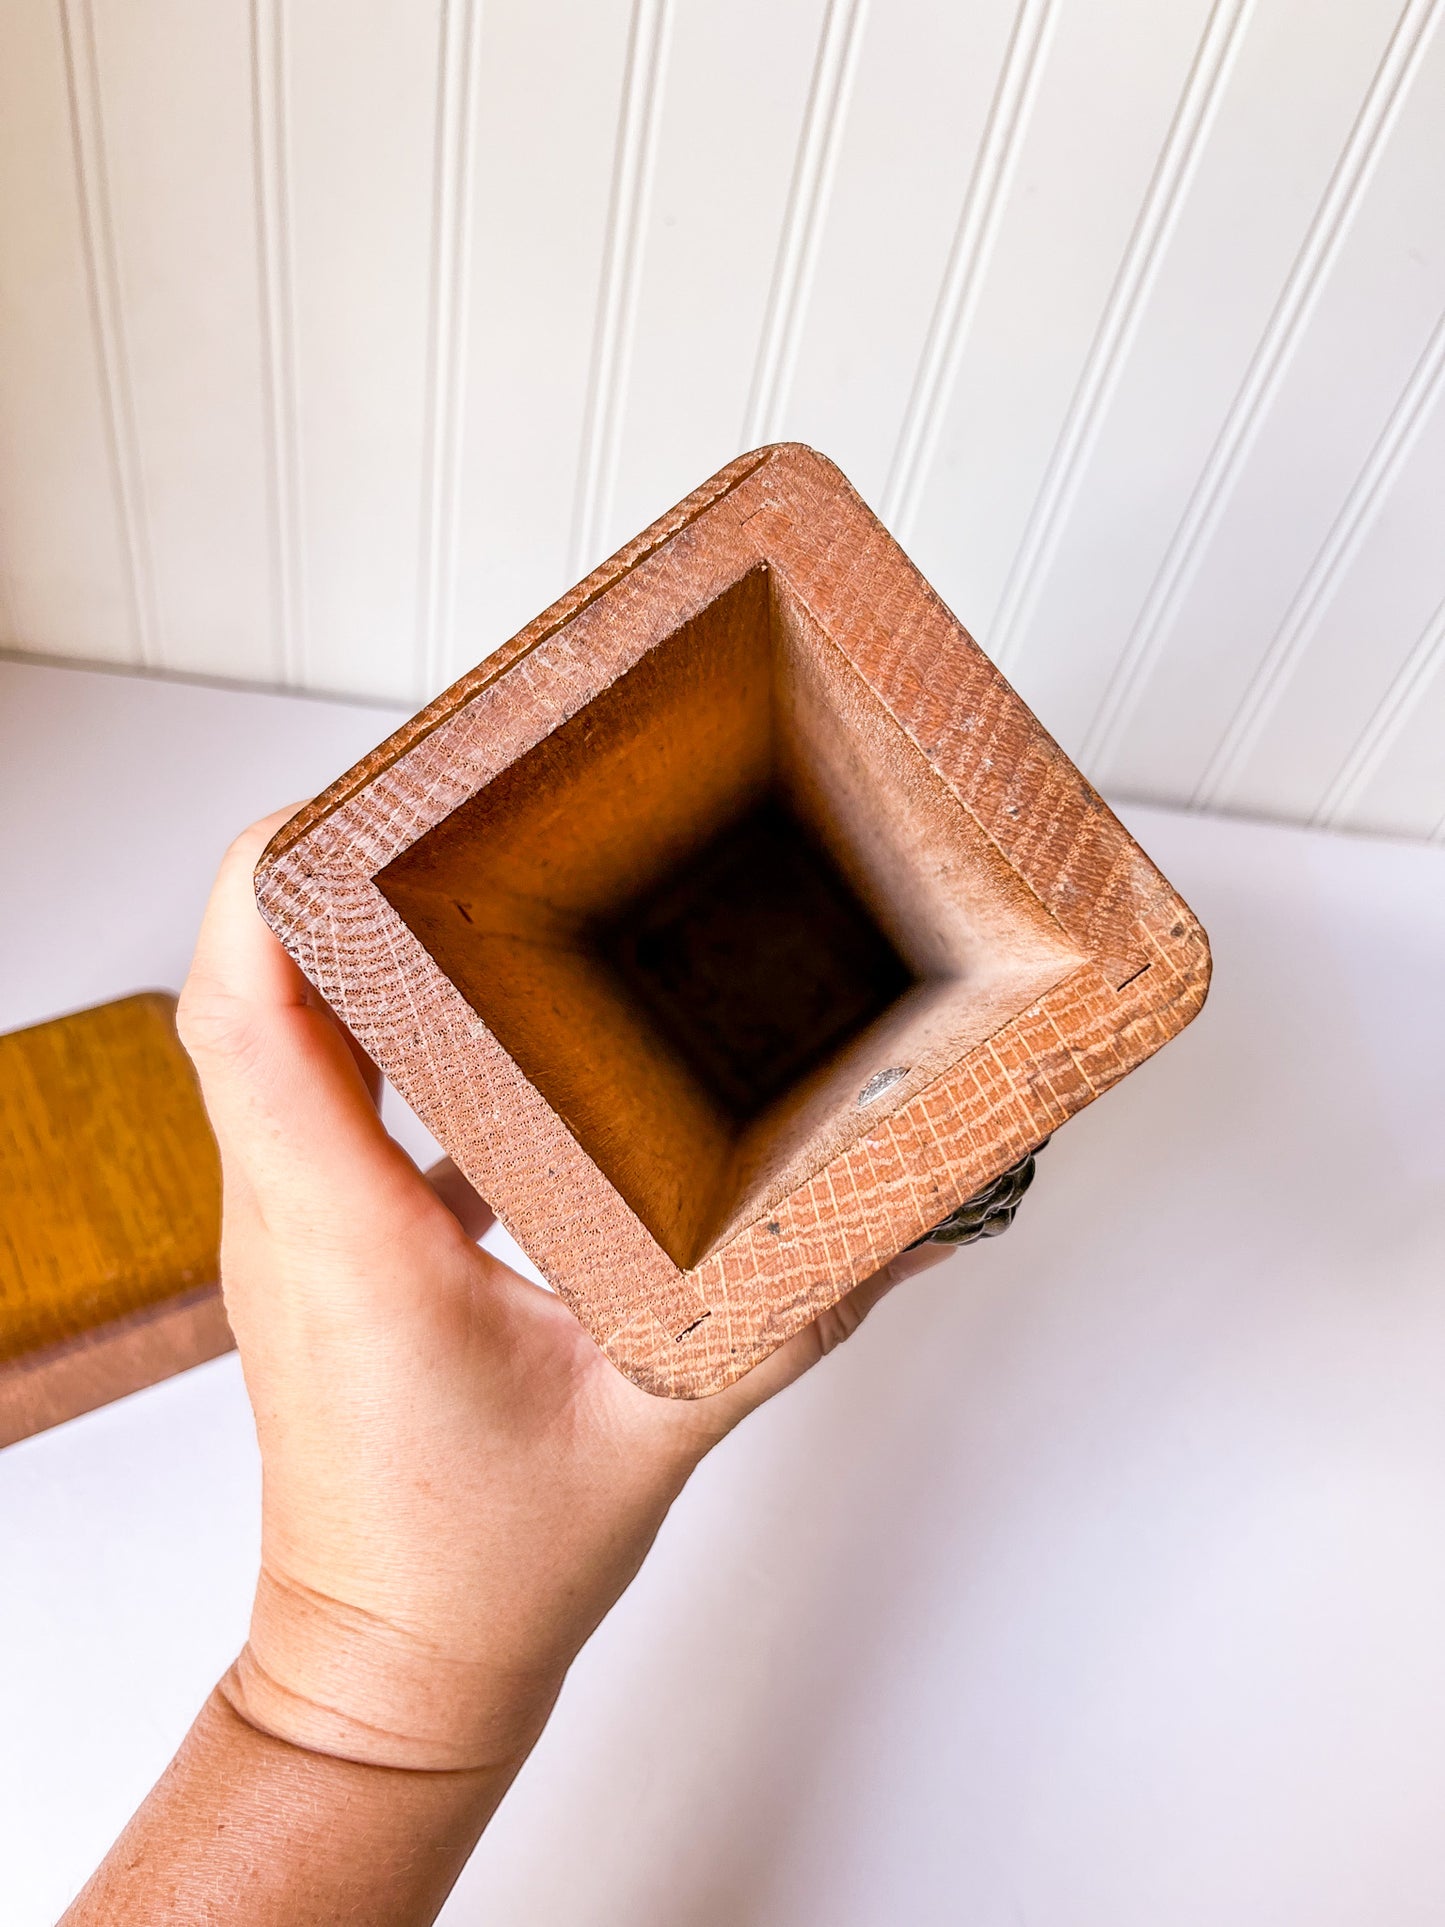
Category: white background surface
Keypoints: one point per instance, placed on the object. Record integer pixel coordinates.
(1100, 1582)
(340, 336)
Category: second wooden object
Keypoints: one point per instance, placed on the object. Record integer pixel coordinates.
(110, 1213)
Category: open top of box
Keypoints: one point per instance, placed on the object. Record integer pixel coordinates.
(734, 923)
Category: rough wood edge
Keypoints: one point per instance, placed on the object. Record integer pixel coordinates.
(505, 658)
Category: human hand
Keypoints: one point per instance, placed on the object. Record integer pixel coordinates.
(457, 1485)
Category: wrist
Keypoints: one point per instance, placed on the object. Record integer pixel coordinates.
(246, 1825)
(339, 1680)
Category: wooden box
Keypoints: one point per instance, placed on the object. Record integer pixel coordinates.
(734, 923)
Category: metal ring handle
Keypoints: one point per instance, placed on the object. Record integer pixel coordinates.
(990, 1212)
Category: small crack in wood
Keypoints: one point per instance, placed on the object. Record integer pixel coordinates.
(1137, 974)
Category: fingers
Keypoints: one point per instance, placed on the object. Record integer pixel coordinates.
(371, 1075)
(237, 961)
(471, 1211)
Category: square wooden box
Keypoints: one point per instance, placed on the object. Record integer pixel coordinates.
(734, 923)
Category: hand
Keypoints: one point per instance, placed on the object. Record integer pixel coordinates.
(457, 1485)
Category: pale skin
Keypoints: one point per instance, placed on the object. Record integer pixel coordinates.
(456, 1486)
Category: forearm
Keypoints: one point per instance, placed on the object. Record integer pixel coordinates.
(458, 1486)
(247, 1829)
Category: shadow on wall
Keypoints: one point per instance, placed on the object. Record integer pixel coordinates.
(991, 1618)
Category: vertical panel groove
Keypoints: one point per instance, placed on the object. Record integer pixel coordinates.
(808, 198)
(1379, 733)
(1357, 516)
(10, 638)
(617, 294)
(1212, 490)
(427, 254)
(967, 261)
(459, 33)
(103, 290)
(269, 110)
(1119, 324)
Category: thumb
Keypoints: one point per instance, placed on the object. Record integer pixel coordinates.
(293, 1113)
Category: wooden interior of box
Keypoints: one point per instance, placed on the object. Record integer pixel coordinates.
(719, 909)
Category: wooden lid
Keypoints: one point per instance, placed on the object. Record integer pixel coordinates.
(110, 1212)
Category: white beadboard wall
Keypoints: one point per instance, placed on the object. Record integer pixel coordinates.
(337, 337)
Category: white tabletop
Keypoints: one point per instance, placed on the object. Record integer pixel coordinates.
(1100, 1582)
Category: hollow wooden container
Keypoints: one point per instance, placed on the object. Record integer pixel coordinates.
(734, 923)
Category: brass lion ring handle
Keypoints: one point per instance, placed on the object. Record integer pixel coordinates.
(989, 1212)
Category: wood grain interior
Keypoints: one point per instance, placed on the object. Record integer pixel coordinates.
(712, 909)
